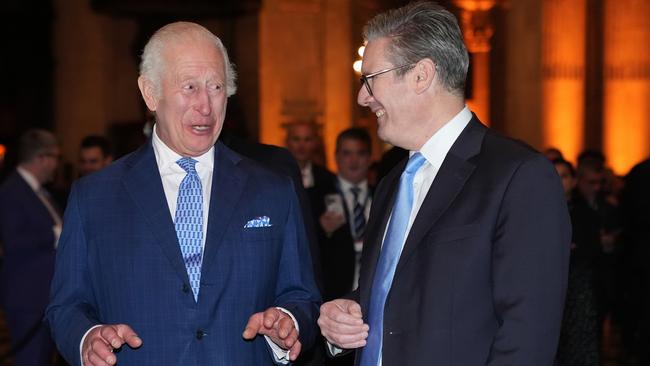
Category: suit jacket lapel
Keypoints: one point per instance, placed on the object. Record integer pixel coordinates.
(228, 182)
(380, 211)
(454, 172)
(144, 185)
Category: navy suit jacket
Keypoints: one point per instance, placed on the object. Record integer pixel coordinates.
(28, 243)
(119, 262)
(482, 276)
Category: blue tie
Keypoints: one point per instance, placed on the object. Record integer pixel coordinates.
(189, 222)
(388, 258)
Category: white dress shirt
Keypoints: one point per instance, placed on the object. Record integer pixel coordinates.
(365, 200)
(434, 151)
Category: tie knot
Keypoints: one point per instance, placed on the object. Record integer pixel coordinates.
(355, 191)
(414, 163)
(188, 164)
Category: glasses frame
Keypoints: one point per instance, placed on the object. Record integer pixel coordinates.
(365, 79)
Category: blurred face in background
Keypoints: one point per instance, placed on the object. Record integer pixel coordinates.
(92, 159)
(353, 160)
(567, 178)
(301, 142)
(590, 183)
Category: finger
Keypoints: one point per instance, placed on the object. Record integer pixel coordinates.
(294, 352)
(284, 327)
(101, 349)
(96, 360)
(271, 315)
(109, 334)
(128, 335)
(253, 326)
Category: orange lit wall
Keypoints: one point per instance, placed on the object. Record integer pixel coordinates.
(563, 75)
(305, 68)
(627, 83)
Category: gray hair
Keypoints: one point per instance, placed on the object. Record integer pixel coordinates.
(152, 64)
(35, 142)
(424, 30)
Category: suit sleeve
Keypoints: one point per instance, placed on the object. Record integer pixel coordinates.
(71, 311)
(530, 266)
(296, 290)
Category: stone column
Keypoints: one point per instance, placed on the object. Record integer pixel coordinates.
(305, 57)
(563, 75)
(626, 130)
(478, 29)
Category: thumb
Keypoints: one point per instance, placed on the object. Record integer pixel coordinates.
(354, 309)
(253, 326)
(128, 335)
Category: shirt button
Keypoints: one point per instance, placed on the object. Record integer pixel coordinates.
(186, 288)
(200, 334)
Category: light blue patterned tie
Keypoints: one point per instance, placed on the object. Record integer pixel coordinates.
(189, 222)
(388, 258)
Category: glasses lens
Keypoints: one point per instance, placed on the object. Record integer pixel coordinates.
(364, 81)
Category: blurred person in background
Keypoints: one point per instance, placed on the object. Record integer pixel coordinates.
(30, 224)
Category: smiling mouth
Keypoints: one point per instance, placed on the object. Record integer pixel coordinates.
(200, 128)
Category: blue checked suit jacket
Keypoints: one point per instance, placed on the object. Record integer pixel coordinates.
(119, 262)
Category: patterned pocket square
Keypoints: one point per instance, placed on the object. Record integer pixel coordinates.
(262, 221)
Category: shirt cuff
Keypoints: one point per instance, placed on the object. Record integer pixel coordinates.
(333, 350)
(281, 355)
(81, 358)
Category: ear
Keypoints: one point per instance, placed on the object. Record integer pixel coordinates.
(148, 93)
(424, 73)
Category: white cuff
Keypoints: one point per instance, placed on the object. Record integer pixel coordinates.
(81, 359)
(333, 350)
(281, 355)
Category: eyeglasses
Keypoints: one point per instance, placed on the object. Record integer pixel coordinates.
(365, 79)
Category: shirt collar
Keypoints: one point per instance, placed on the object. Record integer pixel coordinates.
(436, 148)
(166, 158)
(345, 185)
(29, 178)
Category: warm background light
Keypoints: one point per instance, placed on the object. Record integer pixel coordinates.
(357, 66)
(563, 75)
(626, 130)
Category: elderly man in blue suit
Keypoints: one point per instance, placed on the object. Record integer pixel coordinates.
(183, 252)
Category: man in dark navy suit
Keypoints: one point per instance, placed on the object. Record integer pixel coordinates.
(184, 252)
(30, 224)
(466, 252)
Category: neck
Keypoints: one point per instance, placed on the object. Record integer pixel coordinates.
(437, 112)
(33, 170)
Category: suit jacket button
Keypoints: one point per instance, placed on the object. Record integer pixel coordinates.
(200, 334)
(186, 288)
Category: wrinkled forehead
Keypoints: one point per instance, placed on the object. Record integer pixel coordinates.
(193, 50)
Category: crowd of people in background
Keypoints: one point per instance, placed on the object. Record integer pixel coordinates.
(474, 223)
(609, 277)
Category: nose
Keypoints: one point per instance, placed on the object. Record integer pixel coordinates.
(363, 97)
(203, 102)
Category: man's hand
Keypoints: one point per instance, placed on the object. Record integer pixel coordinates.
(98, 346)
(330, 221)
(279, 326)
(341, 323)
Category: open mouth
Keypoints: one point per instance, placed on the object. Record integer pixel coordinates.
(200, 128)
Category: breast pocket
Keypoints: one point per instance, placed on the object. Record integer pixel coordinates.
(257, 234)
(453, 234)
